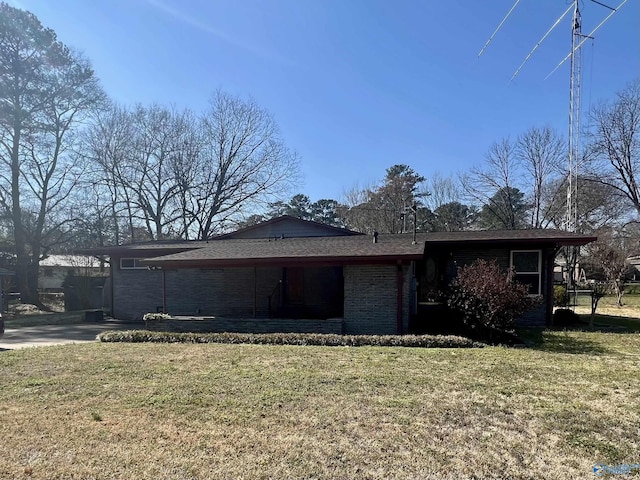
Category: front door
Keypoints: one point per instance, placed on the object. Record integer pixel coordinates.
(294, 286)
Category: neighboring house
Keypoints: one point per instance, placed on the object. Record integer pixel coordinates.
(287, 268)
(55, 268)
(562, 273)
(634, 261)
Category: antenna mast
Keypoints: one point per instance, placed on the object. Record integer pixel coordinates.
(574, 119)
(577, 39)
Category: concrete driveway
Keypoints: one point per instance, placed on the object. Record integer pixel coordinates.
(43, 335)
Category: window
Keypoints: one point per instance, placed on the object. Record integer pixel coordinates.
(527, 265)
(131, 264)
(48, 272)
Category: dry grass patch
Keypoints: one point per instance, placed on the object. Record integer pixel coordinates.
(608, 306)
(189, 411)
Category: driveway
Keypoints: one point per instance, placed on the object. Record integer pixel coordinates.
(43, 335)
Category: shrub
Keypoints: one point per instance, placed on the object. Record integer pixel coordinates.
(560, 296)
(488, 298)
(319, 339)
(564, 317)
(155, 316)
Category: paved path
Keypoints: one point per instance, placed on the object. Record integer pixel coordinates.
(43, 335)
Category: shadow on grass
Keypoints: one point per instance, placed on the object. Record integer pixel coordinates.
(561, 340)
(612, 323)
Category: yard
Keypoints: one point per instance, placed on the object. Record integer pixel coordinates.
(156, 411)
(608, 306)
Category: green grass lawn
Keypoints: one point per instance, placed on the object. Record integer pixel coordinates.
(176, 411)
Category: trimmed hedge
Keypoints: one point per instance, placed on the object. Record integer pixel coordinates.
(155, 316)
(328, 340)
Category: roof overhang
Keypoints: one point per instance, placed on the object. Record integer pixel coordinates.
(553, 242)
(134, 251)
(319, 261)
(335, 250)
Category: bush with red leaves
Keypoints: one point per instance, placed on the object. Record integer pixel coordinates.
(488, 298)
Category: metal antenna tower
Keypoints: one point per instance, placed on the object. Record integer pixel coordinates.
(577, 39)
(574, 119)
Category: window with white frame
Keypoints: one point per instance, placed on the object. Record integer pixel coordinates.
(527, 267)
(132, 264)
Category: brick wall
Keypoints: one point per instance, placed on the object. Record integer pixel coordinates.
(135, 292)
(370, 299)
(193, 291)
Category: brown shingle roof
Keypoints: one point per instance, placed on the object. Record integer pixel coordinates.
(151, 248)
(352, 249)
(264, 227)
(301, 250)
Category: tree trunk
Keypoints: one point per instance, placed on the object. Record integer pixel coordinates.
(22, 258)
(619, 292)
(32, 276)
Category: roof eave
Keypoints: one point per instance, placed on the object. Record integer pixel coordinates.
(561, 242)
(138, 252)
(284, 261)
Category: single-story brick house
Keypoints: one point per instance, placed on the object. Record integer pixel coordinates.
(285, 272)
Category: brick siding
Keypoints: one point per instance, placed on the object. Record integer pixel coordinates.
(135, 292)
(370, 299)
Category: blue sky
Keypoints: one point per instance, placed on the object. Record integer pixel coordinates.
(355, 85)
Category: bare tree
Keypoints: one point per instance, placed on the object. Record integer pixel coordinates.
(494, 186)
(182, 176)
(541, 153)
(158, 154)
(184, 166)
(614, 150)
(45, 90)
(243, 162)
(439, 190)
(610, 254)
(599, 206)
(107, 147)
